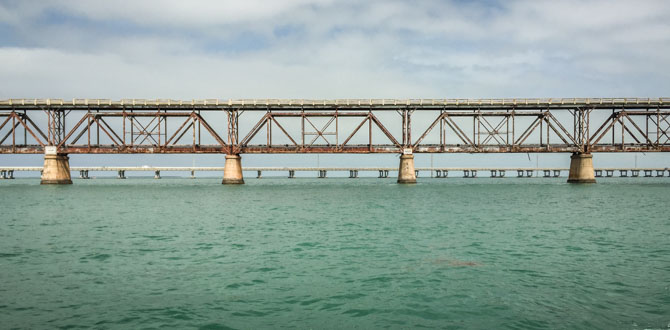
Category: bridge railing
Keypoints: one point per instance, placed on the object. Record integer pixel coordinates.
(337, 102)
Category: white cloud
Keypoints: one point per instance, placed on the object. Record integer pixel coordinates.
(339, 49)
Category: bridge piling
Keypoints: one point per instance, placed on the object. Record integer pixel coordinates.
(406, 172)
(581, 168)
(441, 173)
(56, 167)
(232, 170)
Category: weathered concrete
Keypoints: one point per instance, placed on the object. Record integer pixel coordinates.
(232, 171)
(56, 169)
(406, 173)
(581, 169)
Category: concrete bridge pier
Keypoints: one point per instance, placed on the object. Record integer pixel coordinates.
(581, 168)
(406, 172)
(232, 170)
(56, 167)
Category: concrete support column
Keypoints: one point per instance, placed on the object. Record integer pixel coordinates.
(56, 167)
(406, 173)
(232, 171)
(581, 169)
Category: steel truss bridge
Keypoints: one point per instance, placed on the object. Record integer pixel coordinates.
(579, 125)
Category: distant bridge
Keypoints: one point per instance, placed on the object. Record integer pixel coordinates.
(7, 172)
(578, 125)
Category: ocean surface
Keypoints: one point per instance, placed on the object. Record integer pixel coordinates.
(335, 253)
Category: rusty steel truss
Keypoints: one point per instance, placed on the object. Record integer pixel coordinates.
(335, 126)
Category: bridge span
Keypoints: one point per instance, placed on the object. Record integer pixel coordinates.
(580, 126)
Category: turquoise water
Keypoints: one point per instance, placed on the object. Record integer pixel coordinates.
(335, 253)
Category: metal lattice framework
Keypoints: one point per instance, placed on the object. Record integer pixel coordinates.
(335, 126)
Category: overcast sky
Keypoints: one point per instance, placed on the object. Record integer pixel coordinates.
(334, 49)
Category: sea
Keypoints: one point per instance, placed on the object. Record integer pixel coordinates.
(335, 253)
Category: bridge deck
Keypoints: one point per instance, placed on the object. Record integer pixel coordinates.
(628, 102)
